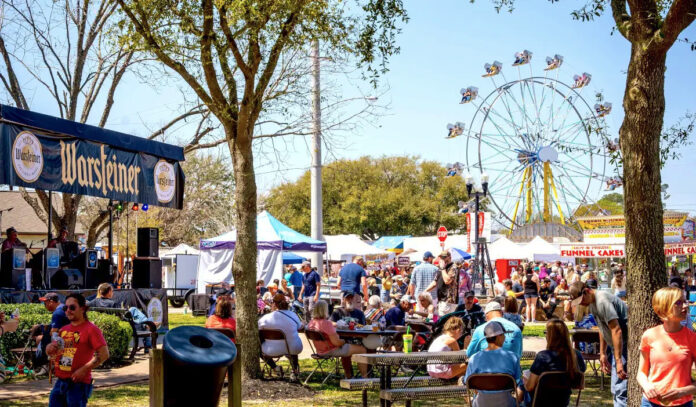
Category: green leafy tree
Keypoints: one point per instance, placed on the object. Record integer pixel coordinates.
(651, 27)
(374, 197)
(241, 58)
(609, 204)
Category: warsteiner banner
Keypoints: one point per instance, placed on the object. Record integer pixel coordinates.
(34, 159)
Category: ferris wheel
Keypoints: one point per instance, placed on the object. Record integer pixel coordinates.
(543, 146)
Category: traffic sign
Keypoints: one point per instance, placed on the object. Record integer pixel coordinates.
(442, 233)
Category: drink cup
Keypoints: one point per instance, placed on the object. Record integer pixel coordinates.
(351, 325)
(408, 343)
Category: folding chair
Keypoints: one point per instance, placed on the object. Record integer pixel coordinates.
(269, 334)
(226, 331)
(491, 382)
(592, 359)
(320, 359)
(557, 381)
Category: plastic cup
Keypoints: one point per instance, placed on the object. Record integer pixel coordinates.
(408, 343)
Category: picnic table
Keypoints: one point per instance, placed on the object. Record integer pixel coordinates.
(362, 334)
(385, 362)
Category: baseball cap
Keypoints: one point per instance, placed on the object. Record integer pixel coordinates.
(494, 328)
(575, 292)
(357, 259)
(50, 297)
(408, 298)
(444, 253)
(428, 255)
(306, 263)
(469, 294)
(492, 306)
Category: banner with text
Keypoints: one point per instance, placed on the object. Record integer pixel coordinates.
(619, 250)
(66, 164)
(484, 229)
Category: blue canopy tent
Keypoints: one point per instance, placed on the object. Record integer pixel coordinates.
(292, 258)
(272, 239)
(391, 243)
(52, 154)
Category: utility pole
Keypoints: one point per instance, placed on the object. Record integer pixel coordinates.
(316, 197)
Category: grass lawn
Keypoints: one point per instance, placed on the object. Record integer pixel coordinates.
(185, 319)
(136, 395)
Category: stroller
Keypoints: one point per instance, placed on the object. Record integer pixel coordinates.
(471, 321)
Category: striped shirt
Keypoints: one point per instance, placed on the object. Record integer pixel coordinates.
(422, 276)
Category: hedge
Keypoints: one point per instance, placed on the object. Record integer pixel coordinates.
(117, 333)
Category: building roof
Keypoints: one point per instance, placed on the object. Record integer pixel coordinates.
(22, 216)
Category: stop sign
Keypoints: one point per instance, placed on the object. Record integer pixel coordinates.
(442, 233)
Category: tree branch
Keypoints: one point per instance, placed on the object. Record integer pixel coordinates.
(679, 17)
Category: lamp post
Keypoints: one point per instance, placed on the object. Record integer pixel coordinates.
(482, 255)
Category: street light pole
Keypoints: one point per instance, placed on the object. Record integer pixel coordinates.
(482, 256)
(317, 219)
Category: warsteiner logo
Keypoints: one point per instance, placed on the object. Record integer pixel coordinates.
(165, 181)
(154, 311)
(27, 157)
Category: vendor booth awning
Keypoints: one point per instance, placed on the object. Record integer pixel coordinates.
(345, 247)
(292, 258)
(52, 154)
(272, 239)
(391, 243)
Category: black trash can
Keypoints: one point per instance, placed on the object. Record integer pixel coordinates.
(195, 364)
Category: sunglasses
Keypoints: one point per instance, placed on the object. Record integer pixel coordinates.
(70, 307)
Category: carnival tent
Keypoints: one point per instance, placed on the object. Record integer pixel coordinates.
(420, 245)
(272, 238)
(182, 248)
(540, 246)
(391, 243)
(345, 247)
(292, 258)
(504, 248)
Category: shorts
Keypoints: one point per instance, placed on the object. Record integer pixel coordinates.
(444, 308)
(342, 352)
(531, 296)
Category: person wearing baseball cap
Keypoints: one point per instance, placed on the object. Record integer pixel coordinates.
(11, 240)
(422, 276)
(611, 314)
(446, 283)
(396, 316)
(42, 333)
(311, 286)
(471, 309)
(513, 335)
(348, 310)
(495, 359)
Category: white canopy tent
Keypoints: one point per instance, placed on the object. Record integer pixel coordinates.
(541, 246)
(504, 248)
(419, 245)
(182, 248)
(272, 239)
(345, 247)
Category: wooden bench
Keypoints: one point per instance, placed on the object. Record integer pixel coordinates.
(125, 315)
(400, 382)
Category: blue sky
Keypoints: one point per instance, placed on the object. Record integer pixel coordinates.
(443, 48)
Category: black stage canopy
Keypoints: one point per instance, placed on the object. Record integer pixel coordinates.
(48, 153)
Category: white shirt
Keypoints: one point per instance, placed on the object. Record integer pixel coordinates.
(289, 323)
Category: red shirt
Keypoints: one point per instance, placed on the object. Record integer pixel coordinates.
(215, 321)
(81, 342)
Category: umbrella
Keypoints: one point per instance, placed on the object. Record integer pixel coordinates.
(459, 254)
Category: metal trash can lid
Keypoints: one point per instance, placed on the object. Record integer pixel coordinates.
(194, 345)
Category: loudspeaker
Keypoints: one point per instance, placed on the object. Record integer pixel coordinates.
(66, 279)
(148, 242)
(147, 273)
(102, 274)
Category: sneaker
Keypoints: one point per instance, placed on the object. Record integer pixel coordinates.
(293, 377)
(42, 371)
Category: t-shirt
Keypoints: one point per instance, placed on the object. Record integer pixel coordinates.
(310, 281)
(102, 303)
(422, 276)
(395, 316)
(475, 314)
(446, 292)
(59, 319)
(608, 307)
(296, 278)
(351, 275)
(671, 357)
(289, 323)
(494, 361)
(215, 321)
(440, 370)
(325, 326)
(340, 313)
(550, 361)
(81, 342)
(513, 339)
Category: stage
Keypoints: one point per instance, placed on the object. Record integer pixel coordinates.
(151, 301)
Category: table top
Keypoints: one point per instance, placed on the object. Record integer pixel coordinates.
(364, 332)
(389, 359)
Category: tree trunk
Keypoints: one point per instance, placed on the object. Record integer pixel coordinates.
(644, 105)
(244, 264)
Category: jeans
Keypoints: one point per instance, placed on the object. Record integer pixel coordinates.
(619, 388)
(646, 403)
(147, 341)
(308, 303)
(67, 393)
(296, 291)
